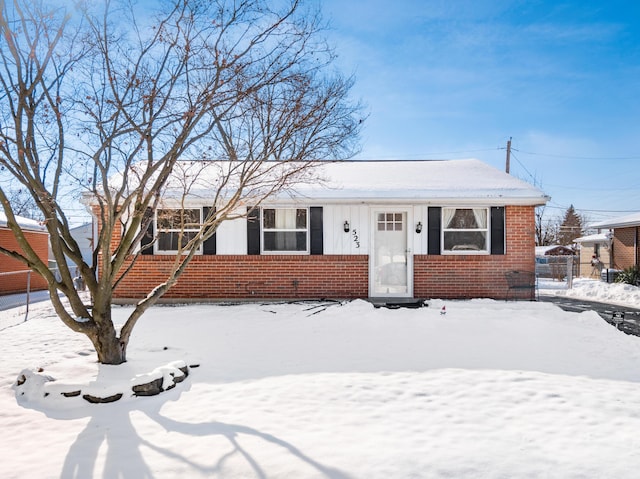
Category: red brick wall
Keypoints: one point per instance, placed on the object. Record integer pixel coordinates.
(479, 276)
(246, 277)
(17, 283)
(337, 276)
(625, 247)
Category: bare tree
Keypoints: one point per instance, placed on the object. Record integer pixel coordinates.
(23, 204)
(546, 228)
(110, 102)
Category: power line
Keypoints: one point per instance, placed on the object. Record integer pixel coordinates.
(533, 179)
(570, 157)
(632, 189)
(480, 150)
(591, 188)
(561, 207)
(424, 155)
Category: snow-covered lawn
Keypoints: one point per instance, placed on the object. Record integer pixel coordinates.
(489, 390)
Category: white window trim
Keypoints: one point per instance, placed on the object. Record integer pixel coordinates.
(156, 246)
(307, 230)
(485, 252)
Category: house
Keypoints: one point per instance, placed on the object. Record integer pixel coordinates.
(366, 229)
(83, 235)
(625, 251)
(14, 275)
(595, 246)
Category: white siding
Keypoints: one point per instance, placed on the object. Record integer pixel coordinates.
(336, 241)
(231, 237)
(420, 239)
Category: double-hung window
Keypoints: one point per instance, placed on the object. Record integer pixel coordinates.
(465, 230)
(285, 230)
(176, 227)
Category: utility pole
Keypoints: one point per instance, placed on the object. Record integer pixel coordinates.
(508, 155)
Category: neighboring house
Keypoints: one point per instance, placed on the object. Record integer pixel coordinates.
(625, 251)
(13, 273)
(369, 229)
(594, 254)
(83, 235)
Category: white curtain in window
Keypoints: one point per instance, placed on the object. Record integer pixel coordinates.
(286, 219)
(480, 215)
(447, 216)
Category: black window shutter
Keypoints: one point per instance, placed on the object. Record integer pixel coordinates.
(497, 230)
(434, 219)
(147, 240)
(315, 228)
(209, 246)
(253, 231)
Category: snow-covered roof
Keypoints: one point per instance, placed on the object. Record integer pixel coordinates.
(442, 181)
(24, 223)
(541, 250)
(620, 222)
(595, 238)
(549, 250)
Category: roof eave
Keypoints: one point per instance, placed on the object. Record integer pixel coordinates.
(436, 201)
(631, 224)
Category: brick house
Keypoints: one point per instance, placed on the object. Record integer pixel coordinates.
(14, 273)
(625, 251)
(369, 229)
(590, 246)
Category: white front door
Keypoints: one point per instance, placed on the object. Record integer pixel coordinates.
(390, 264)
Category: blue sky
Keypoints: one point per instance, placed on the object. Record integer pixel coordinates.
(455, 79)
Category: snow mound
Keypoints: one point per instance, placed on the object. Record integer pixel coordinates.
(595, 290)
(41, 391)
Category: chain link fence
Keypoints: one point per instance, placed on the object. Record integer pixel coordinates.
(18, 291)
(564, 269)
(558, 268)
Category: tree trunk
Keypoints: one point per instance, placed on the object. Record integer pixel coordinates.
(109, 347)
